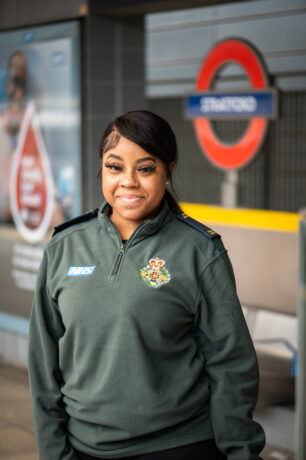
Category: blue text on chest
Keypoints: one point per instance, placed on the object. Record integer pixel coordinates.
(80, 271)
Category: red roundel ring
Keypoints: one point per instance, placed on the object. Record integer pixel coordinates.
(235, 155)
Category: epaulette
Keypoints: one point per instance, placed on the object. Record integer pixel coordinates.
(208, 232)
(76, 220)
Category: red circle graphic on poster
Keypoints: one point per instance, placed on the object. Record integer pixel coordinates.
(236, 155)
(31, 185)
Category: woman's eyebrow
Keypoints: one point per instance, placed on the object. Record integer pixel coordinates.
(112, 155)
(140, 160)
(145, 159)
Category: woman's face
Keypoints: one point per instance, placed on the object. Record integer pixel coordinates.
(133, 183)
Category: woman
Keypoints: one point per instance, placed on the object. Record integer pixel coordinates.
(138, 346)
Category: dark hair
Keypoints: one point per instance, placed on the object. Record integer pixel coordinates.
(152, 133)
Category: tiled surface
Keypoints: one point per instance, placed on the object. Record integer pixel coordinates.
(16, 427)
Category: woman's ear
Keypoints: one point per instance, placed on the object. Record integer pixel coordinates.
(170, 169)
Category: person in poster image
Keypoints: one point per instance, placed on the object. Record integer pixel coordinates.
(10, 121)
(138, 347)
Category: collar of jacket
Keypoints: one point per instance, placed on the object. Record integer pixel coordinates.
(146, 228)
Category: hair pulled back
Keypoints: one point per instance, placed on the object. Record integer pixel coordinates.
(152, 133)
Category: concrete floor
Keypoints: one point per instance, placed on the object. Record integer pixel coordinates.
(17, 440)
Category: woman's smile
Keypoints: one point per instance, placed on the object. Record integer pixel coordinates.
(130, 199)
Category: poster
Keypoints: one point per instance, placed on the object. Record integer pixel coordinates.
(39, 152)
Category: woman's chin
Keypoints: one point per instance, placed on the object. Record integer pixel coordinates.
(131, 213)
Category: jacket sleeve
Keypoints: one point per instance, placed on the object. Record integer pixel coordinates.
(46, 328)
(230, 363)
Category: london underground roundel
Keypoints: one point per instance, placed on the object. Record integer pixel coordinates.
(236, 155)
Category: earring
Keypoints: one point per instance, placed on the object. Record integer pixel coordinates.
(167, 182)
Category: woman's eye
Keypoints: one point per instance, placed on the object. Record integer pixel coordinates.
(147, 169)
(113, 166)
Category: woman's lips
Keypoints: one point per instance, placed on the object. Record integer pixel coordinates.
(130, 199)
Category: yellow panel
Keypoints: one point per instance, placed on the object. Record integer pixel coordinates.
(253, 218)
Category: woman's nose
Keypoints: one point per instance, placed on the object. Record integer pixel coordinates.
(129, 179)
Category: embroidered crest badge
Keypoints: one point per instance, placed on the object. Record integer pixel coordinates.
(155, 274)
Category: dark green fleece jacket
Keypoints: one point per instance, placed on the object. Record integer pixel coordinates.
(140, 348)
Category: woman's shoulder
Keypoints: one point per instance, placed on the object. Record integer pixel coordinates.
(199, 226)
(200, 235)
(75, 224)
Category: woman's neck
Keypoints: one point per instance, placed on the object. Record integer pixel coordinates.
(127, 227)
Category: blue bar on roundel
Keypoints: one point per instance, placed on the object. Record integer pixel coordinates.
(216, 105)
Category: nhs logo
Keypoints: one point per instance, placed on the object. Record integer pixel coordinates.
(80, 271)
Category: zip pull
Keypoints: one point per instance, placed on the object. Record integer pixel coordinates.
(118, 260)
